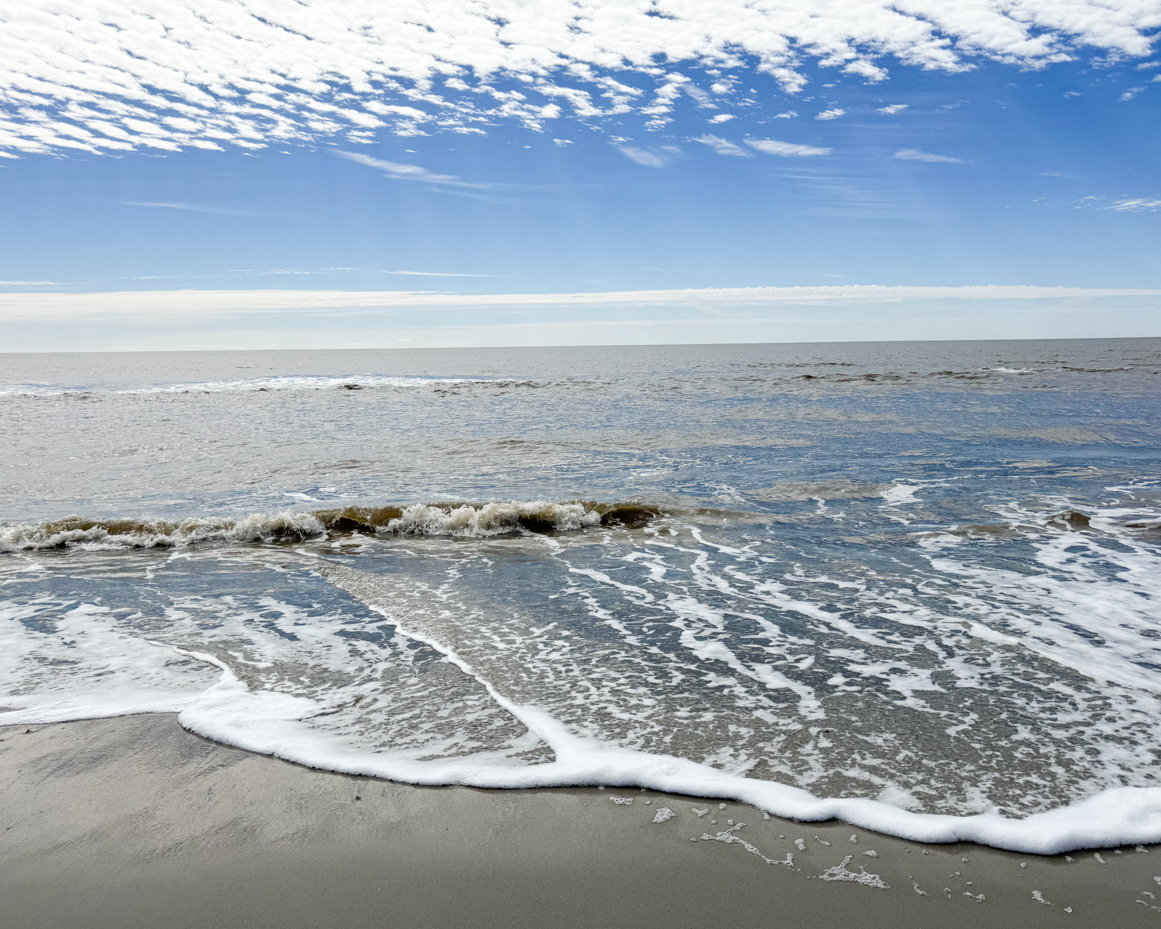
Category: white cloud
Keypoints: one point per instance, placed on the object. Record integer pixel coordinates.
(789, 114)
(914, 154)
(722, 147)
(1136, 205)
(722, 118)
(78, 75)
(1131, 93)
(833, 113)
(186, 303)
(786, 149)
(193, 208)
(892, 109)
(406, 172)
(650, 159)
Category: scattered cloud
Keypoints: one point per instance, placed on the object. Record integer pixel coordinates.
(33, 283)
(789, 114)
(722, 118)
(914, 154)
(833, 113)
(405, 172)
(1135, 205)
(786, 149)
(1071, 93)
(166, 75)
(1131, 93)
(1148, 65)
(892, 109)
(563, 142)
(722, 147)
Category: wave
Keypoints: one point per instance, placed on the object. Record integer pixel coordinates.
(460, 520)
(254, 384)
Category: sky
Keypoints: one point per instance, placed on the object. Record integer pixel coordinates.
(284, 174)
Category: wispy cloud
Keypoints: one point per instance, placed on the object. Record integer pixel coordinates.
(786, 149)
(1130, 93)
(406, 172)
(650, 159)
(165, 75)
(892, 109)
(439, 274)
(914, 154)
(1135, 205)
(34, 283)
(722, 118)
(833, 113)
(194, 208)
(722, 146)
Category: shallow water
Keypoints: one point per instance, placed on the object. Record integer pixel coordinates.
(926, 573)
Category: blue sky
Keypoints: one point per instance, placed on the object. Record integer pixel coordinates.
(1032, 161)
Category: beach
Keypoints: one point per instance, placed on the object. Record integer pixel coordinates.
(134, 822)
(393, 638)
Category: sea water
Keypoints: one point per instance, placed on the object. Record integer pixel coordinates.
(914, 585)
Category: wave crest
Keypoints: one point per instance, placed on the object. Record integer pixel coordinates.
(462, 520)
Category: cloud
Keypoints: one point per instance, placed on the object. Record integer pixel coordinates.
(184, 304)
(833, 113)
(789, 114)
(194, 208)
(1131, 93)
(406, 172)
(914, 154)
(1135, 205)
(164, 75)
(650, 159)
(722, 147)
(786, 149)
(892, 109)
(722, 118)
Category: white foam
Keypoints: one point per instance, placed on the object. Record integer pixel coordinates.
(108, 674)
(303, 382)
(271, 723)
(148, 533)
(840, 873)
(229, 385)
(489, 519)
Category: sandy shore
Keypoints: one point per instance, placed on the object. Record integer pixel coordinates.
(134, 822)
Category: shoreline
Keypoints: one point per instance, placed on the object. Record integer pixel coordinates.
(133, 821)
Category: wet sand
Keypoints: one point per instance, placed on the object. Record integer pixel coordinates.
(134, 822)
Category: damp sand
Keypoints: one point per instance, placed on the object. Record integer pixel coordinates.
(135, 822)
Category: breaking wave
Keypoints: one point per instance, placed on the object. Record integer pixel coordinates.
(460, 520)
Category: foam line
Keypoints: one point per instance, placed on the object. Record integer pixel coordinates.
(272, 724)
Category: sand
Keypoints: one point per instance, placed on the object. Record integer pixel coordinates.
(134, 822)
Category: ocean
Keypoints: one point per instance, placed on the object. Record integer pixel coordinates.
(913, 585)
